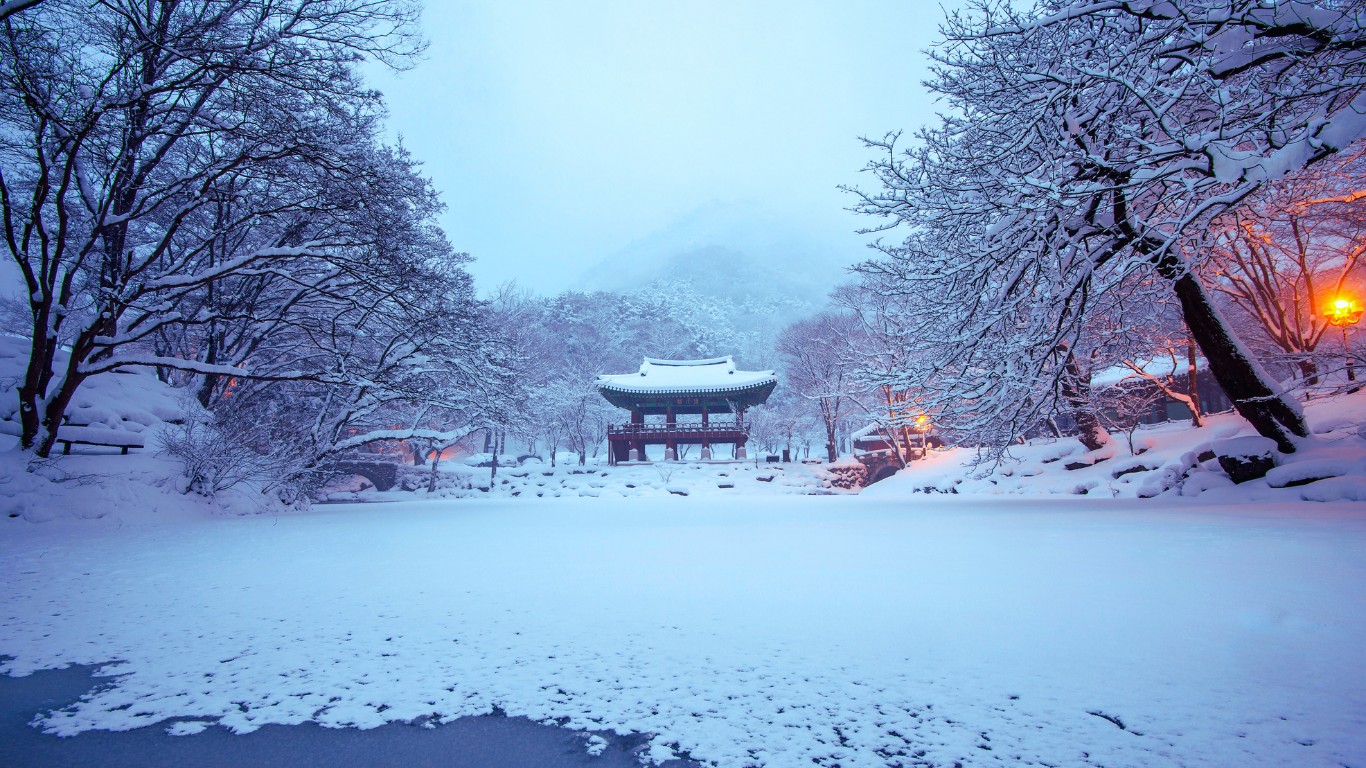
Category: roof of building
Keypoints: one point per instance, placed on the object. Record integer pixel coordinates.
(716, 375)
(1158, 366)
(871, 429)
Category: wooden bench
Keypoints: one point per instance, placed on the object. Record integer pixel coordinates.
(71, 434)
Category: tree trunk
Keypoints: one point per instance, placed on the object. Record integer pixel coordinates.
(1053, 426)
(1309, 370)
(830, 409)
(38, 374)
(1241, 378)
(1076, 392)
(54, 411)
(1193, 385)
(29, 417)
(431, 480)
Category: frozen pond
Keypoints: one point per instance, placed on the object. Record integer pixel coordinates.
(867, 631)
(472, 742)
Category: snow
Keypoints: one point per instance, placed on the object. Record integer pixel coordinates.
(101, 435)
(686, 376)
(1314, 469)
(1165, 462)
(742, 613)
(780, 632)
(537, 480)
(1246, 446)
(127, 401)
(1157, 366)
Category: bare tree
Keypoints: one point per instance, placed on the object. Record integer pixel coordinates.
(816, 355)
(10, 7)
(1124, 405)
(134, 135)
(1075, 388)
(1145, 335)
(1290, 250)
(1088, 142)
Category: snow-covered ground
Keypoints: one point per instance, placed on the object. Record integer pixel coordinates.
(536, 479)
(744, 614)
(781, 631)
(1165, 460)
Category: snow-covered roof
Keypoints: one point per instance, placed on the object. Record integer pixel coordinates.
(663, 377)
(870, 429)
(1157, 366)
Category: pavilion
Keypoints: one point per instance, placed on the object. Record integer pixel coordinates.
(673, 388)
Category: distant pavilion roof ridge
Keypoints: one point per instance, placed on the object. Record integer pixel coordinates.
(705, 361)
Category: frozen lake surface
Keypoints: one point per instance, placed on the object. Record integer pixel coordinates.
(486, 741)
(765, 631)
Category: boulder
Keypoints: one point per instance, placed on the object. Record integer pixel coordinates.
(1311, 471)
(1245, 458)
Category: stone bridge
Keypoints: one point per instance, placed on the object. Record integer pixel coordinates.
(879, 466)
(384, 474)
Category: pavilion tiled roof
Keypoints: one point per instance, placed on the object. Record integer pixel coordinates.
(714, 376)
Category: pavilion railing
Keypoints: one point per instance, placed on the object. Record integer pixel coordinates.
(690, 428)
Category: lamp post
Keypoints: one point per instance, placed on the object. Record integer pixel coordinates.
(1342, 313)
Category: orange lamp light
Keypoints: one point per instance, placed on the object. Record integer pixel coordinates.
(1344, 311)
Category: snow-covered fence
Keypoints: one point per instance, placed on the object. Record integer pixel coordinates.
(70, 434)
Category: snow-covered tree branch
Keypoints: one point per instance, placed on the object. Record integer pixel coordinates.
(160, 161)
(1086, 144)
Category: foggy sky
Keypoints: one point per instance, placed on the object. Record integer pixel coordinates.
(562, 133)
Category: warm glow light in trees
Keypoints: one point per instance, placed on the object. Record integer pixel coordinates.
(1343, 312)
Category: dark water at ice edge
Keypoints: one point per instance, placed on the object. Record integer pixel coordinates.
(488, 741)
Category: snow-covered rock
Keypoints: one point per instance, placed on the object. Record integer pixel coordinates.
(1305, 472)
(1245, 458)
(1166, 460)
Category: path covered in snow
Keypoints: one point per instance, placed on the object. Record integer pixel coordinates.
(779, 631)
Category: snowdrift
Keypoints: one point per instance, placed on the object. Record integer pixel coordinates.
(95, 481)
(1167, 460)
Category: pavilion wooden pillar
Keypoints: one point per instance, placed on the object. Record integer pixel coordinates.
(638, 441)
(670, 446)
(706, 437)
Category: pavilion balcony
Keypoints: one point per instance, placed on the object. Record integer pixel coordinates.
(692, 432)
(627, 442)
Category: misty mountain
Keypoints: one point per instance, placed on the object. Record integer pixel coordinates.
(740, 254)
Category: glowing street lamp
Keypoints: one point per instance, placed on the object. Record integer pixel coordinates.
(1342, 313)
(922, 425)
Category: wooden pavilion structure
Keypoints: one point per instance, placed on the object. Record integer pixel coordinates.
(673, 388)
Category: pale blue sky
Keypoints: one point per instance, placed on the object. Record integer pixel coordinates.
(562, 133)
